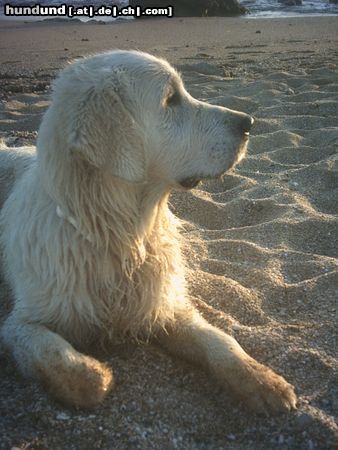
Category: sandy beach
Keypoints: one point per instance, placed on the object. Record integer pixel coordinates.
(260, 245)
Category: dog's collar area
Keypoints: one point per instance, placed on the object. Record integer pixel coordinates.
(64, 216)
(60, 213)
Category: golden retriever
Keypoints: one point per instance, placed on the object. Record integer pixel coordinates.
(91, 249)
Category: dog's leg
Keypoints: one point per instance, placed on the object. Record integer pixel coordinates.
(69, 376)
(197, 341)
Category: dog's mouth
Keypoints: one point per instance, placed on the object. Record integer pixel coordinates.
(190, 183)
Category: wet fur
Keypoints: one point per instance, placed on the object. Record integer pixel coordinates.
(92, 251)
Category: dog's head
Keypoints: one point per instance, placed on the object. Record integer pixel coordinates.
(128, 112)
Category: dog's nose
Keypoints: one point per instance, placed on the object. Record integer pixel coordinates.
(246, 123)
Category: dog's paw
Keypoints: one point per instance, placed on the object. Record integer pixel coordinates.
(79, 381)
(263, 390)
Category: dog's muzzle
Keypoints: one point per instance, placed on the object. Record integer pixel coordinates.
(244, 126)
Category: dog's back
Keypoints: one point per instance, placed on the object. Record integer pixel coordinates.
(13, 163)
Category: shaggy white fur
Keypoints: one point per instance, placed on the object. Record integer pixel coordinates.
(91, 249)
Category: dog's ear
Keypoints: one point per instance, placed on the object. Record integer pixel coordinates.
(103, 130)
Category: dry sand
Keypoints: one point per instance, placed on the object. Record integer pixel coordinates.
(260, 245)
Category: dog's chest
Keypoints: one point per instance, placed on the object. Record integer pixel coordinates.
(126, 294)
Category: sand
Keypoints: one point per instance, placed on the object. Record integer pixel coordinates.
(261, 244)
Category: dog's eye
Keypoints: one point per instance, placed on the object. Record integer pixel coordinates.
(173, 99)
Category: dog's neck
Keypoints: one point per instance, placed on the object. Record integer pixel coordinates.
(103, 209)
(149, 205)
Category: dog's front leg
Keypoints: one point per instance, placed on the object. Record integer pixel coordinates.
(69, 376)
(197, 341)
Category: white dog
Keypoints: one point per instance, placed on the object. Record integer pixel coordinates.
(91, 249)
